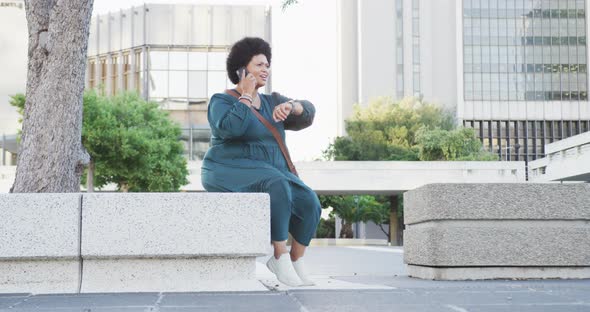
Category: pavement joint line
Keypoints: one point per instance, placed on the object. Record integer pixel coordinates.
(302, 308)
(544, 304)
(270, 288)
(81, 261)
(156, 307)
(526, 291)
(456, 308)
(379, 249)
(25, 299)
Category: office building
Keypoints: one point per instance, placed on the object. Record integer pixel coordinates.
(514, 70)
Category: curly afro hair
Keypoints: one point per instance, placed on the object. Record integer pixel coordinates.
(242, 52)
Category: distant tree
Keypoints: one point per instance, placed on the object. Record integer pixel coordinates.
(386, 130)
(408, 130)
(287, 3)
(352, 209)
(132, 143)
(326, 228)
(458, 144)
(18, 101)
(380, 214)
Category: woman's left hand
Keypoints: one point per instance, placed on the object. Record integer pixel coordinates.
(282, 111)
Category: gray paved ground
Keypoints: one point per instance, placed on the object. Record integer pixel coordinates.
(381, 267)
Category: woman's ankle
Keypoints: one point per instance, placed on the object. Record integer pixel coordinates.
(277, 255)
(279, 248)
(295, 256)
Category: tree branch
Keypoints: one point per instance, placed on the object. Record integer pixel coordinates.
(384, 232)
(288, 3)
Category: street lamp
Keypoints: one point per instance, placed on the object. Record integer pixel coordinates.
(508, 148)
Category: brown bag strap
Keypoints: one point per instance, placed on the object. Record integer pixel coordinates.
(273, 130)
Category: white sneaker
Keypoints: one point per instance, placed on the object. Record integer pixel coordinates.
(283, 269)
(299, 267)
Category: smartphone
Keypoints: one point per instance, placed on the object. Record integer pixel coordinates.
(240, 71)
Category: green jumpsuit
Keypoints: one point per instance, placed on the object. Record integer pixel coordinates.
(245, 157)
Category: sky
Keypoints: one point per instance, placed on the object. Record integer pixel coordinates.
(105, 6)
(304, 63)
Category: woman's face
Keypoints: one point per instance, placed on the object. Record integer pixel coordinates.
(260, 68)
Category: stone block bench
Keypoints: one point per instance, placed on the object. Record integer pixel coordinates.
(39, 243)
(131, 242)
(494, 231)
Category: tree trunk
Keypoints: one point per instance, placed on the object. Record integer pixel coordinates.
(90, 178)
(51, 156)
(394, 235)
(346, 231)
(385, 232)
(124, 187)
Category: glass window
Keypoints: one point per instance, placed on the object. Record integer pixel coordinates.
(197, 60)
(158, 60)
(158, 84)
(553, 42)
(416, 81)
(92, 67)
(178, 84)
(103, 72)
(178, 60)
(138, 75)
(197, 87)
(217, 60)
(582, 82)
(415, 27)
(216, 82)
(114, 74)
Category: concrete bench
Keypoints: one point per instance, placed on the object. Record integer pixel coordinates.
(129, 242)
(489, 231)
(39, 243)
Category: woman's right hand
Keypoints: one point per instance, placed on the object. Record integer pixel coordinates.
(247, 84)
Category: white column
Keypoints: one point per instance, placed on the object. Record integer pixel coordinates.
(407, 46)
(97, 70)
(348, 45)
(144, 80)
(109, 83)
(362, 230)
(120, 73)
(337, 226)
(87, 75)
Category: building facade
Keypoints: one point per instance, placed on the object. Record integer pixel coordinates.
(172, 54)
(514, 70)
